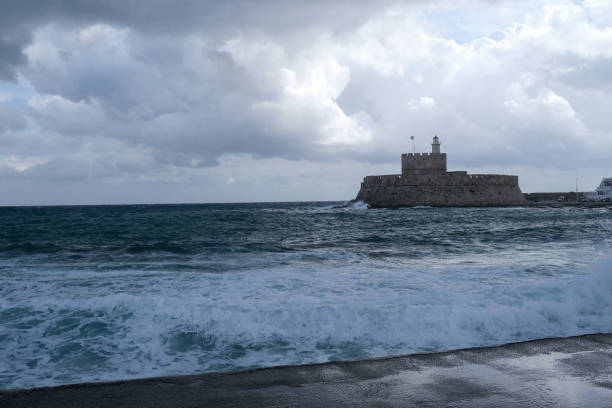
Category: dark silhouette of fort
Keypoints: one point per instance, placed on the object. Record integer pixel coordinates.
(425, 181)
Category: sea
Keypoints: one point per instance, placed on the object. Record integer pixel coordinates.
(99, 293)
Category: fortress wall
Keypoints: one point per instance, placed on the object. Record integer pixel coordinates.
(447, 189)
(467, 195)
(383, 179)
(455, 178)
(494, 179)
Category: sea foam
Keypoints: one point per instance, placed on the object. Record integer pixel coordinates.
(138, 291)
(208, 323)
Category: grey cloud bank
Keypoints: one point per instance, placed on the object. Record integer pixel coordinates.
(241, 101)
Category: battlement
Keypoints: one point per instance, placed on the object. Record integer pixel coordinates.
(452, 178)
(383, 180)
(422, 155)
(493, 179)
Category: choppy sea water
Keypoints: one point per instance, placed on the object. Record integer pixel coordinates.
(112, 292)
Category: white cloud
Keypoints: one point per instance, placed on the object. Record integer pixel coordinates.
(503, 85)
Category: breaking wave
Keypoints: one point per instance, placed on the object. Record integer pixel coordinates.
(177, 290)
(86, 333)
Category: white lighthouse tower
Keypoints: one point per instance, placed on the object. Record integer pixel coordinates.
(435, 145)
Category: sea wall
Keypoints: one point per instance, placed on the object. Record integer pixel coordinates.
(451, 189)
(569, 372)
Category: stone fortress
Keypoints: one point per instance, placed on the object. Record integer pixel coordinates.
(425, 181)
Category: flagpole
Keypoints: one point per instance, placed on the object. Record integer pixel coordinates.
(577, 190)
(413, 146)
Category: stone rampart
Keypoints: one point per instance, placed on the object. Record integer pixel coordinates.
(440, 195)
(382, 180)
(449, 189)
(455, 178)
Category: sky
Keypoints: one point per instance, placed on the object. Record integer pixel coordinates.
(238, 101)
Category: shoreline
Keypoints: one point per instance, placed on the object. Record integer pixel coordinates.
(565, 372)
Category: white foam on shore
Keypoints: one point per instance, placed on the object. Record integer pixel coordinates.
(360, 205)
(56, 331)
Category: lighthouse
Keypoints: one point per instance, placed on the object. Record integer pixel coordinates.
(435, 145)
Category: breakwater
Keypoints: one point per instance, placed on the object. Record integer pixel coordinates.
(562, 199)
(569, 372)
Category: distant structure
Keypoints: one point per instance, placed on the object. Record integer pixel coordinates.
(603, 192)
(425, 181)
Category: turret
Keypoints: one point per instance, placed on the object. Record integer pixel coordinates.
(435, 145)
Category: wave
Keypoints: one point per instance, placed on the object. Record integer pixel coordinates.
(162, 246)
(358, 205)
(344, 205)
(91, 330)
(28, 248)
(351, 204)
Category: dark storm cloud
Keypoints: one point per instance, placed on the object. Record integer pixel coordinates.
(10, 57)
(217, 19)
(214, 17)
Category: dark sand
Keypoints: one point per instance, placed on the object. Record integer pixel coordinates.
(569, 372)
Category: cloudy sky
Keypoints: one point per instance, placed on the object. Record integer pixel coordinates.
(192, 101)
